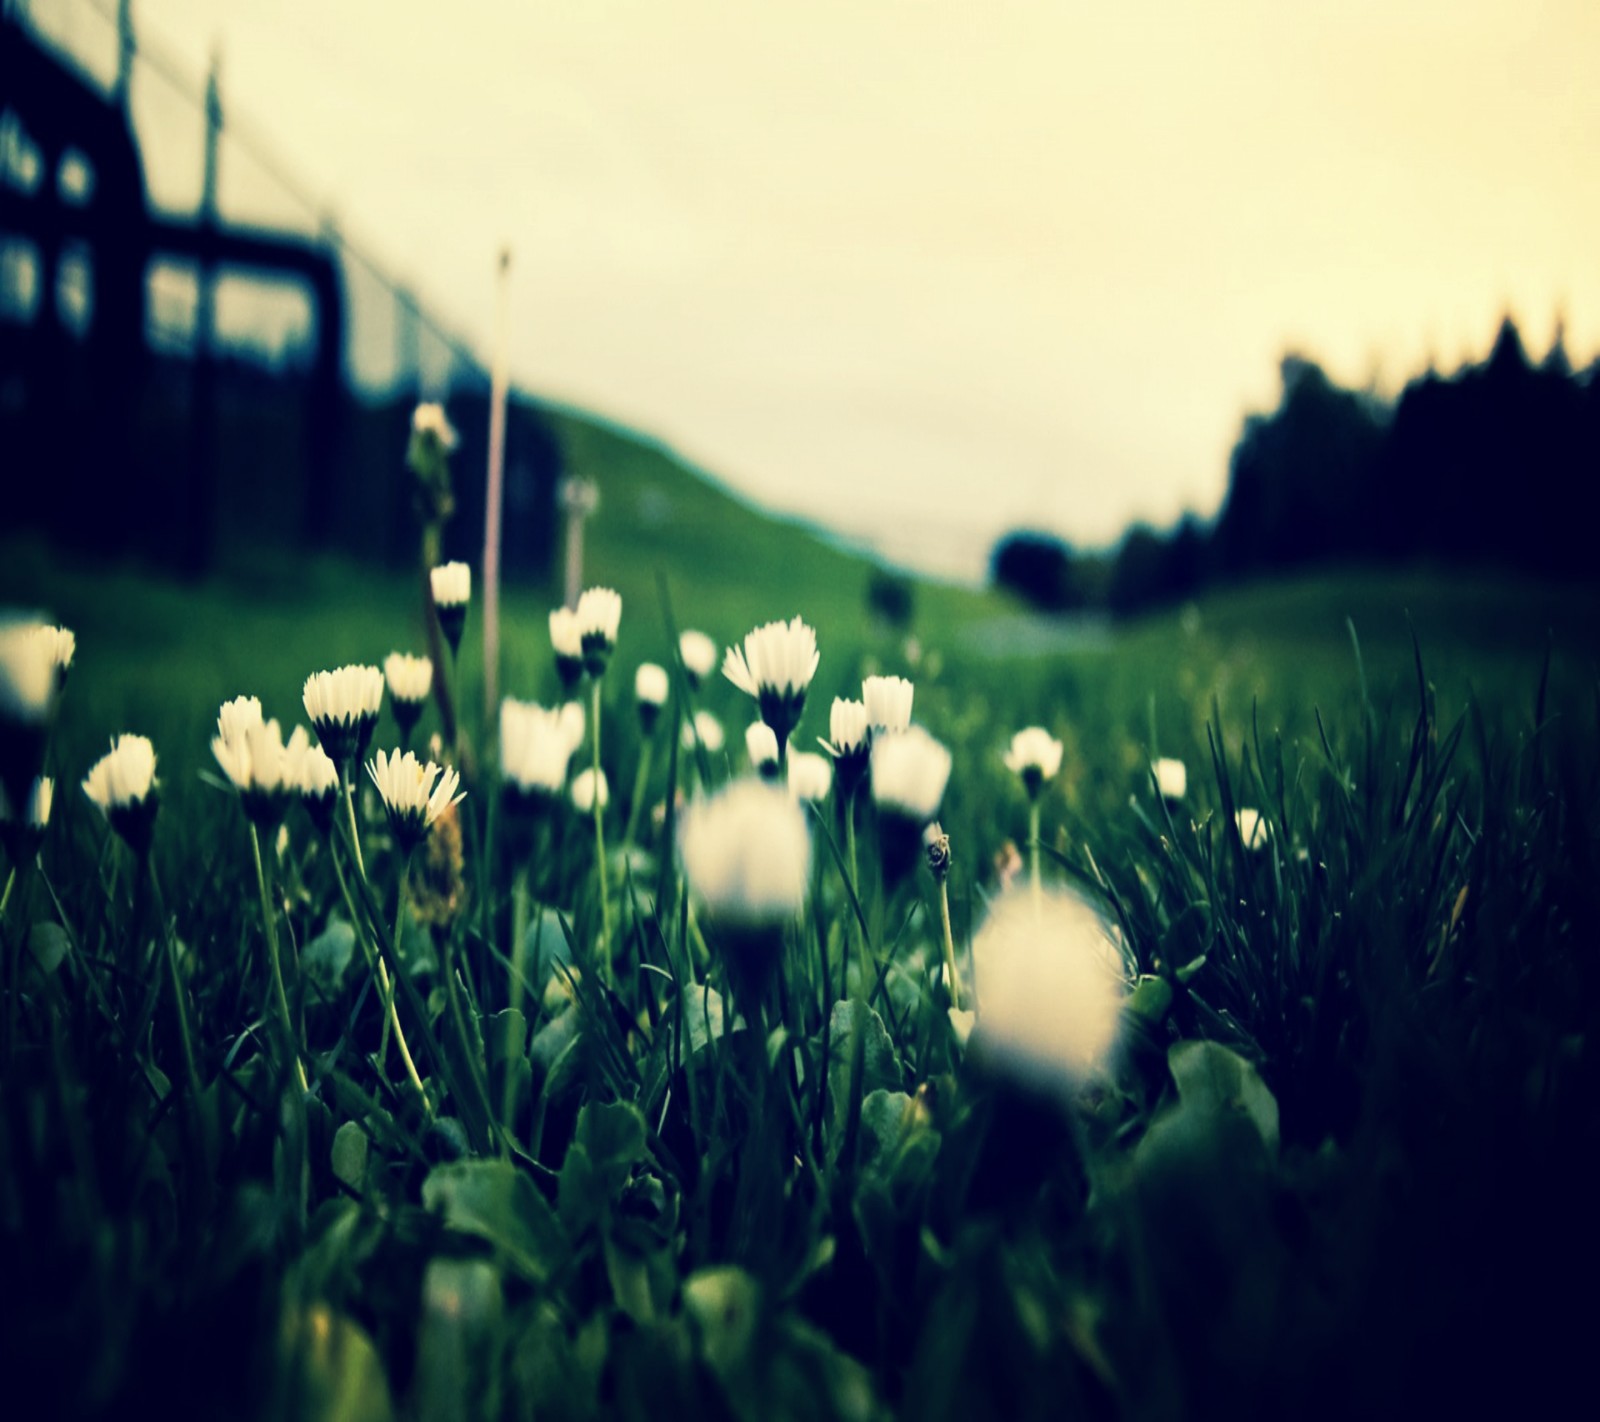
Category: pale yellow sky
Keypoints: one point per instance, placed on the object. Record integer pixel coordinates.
(929, 270)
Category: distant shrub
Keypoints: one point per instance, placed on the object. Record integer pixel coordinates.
(1039, 568)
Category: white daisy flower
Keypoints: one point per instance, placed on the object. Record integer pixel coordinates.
(599, 614)
(746, 853)
(536, 746)
(59, 645)
(699, 655)
(1172, 780)
(123, 784)
(849, 742)
(343, 706)
(430, 421)
(650, 688)
(566, 641)
(583, 791)
(414, 793)
(888, 702)
(23, 833)
(252, 755)
(707, 728)
(1051, 983)
(909, 774)
(810, 775)
(312, 776)
(762, 748)
(775, 666)
(1254, 829)
(410, 681)
(451, 584)
(1035, 756)
(27, 675)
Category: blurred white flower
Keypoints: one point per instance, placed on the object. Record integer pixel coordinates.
(566, 637)
(27, 671)
(650, 684)
(414, 794)
(1035, 755)
(909, 774)
(1254, 828)
(699, 654)
(536, 745)
(888, 702)
(961, 1024)
(125, 775)
(707, 728)
(583, 791)
(810, 775)
(410, 679)
(430, 419)
(343, 706)
(747, 854)
(236, 717)
(599, 615)
(123, 784)
(1172, 779)
(59, 645)
(23, 833)
(762, 748)
(451, 584)
(1050, 983)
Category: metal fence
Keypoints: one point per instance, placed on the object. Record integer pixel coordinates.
(195, 362)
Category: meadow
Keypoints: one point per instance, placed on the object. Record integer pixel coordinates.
(1288, 1120)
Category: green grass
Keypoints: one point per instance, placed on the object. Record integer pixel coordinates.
(1336, 1163)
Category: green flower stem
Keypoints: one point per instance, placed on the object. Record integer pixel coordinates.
(13, 954)
(519, 934)
(1033, 840)
(388, 987)
(949, 944)
(600, 845)
(180, 1004)
(850, 926)
(347, 793)
(5, 898)
(641, 780)
(269, 923)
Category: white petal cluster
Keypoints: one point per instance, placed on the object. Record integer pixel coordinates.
(1050, 983)
(566, 637)
(848, 728)
(410, 678)
(810, 775)
(536, 744)
(1254, 828)
(307, 769)
(599, 614)
(59, 645)
(650, 684)
(251, 751)
(27, 671)
(36, 813)
(746, 853)
(1172, 780)
(699, 654)
(909, 773)
(761, 745)
(344, 697)
(707, 728)
(124, 776)
(1034, 749)
(414, 793)
(429, 418)
(583, 791)
(779, 657)
(451, 584)
(888, 702)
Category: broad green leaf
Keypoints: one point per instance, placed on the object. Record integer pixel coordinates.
(609, 1142)
(48, 944)
(1212, 1077)
(334, 1374)
(325, 958)
(350, 1154)
(505, 1036)
(493, 1200)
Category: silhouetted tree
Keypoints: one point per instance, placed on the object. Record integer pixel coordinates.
(1039, 568)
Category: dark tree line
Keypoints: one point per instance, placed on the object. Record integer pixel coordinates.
(1495, 465)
